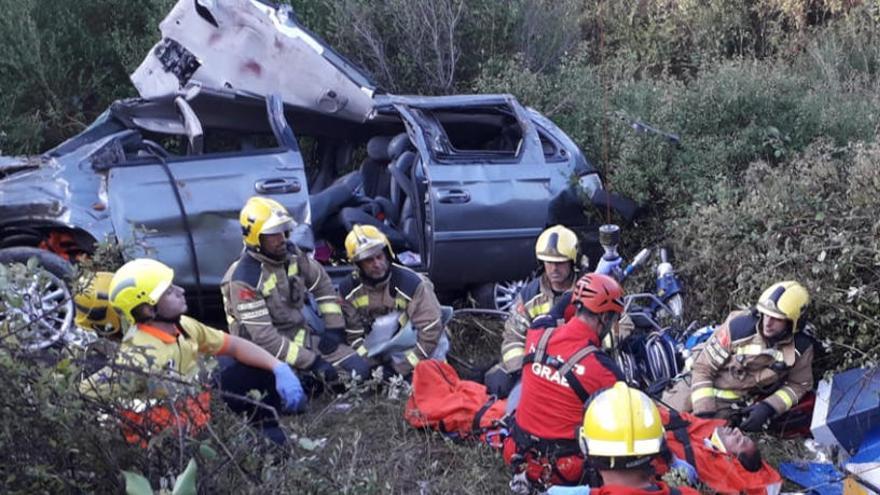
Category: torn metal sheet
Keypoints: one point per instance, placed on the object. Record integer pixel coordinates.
(250, 46)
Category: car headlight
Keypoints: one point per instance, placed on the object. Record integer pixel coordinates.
(589, 184)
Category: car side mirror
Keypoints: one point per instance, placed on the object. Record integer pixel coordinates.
(192, 126)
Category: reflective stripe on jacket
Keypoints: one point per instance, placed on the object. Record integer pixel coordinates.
(405, 291)
(737, 363)
(264, 301)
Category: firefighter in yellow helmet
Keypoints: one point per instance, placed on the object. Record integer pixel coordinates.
(378, 288)
(93, 309)
(557, 249)
(166, 343)
(757, 358)
(281, 299)
(621, 434)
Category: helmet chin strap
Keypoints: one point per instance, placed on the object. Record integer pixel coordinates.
(165, 319)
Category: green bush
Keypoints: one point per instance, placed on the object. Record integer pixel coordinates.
(62, 63)
(813, 220)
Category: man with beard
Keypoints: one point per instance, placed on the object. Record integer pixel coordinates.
(380, 287)
(282, 300)
(758, 358)
(557, 250)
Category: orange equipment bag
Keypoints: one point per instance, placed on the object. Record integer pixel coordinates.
(458, 408)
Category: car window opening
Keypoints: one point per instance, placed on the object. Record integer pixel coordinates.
(491, 132)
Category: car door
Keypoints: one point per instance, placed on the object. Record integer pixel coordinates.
(483, 210)
(184, 211)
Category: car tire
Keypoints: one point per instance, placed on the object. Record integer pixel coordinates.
(497, 295)
(55, 292)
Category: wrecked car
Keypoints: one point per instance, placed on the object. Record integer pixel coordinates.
(239, 99)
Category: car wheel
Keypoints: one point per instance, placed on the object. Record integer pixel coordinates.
(45, 309)
(497, 295)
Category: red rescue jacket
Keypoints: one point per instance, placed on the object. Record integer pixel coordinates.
(549, 407)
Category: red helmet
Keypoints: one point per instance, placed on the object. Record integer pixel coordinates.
(598, 293)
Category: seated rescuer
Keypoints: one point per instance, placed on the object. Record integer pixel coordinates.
(266, 293)
(165, 341)
(621, 436)
(379, 287)
(557, 250)
(563, 367)
(753, 354)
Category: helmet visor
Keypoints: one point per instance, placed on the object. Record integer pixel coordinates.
(281, 226)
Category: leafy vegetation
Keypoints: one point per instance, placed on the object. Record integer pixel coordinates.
(776, 103)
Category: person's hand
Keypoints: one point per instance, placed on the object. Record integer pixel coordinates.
(330, 340)
(324, 369)
(289, 388)
(500, 382)
(609, 267)
(755, 416)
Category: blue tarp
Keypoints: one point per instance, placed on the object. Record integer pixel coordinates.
(820, 478)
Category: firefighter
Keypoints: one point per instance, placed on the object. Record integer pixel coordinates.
(557, 250)
(283, 301)
(563, 367)
(167, 343)
(621, 436)
(379, 287)
(757, 358)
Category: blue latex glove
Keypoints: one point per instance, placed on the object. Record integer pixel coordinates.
(683, 465)
(289, 388)
(609, 267)
(568, 490)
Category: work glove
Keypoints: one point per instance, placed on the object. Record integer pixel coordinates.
(706, 415)
(324, 369)
(609, 267)
(755, 416)
(330, 340)
(289, 388)
(500, 382)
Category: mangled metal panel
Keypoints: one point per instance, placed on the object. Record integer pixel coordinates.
(251, 46)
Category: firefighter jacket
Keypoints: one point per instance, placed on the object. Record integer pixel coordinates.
(404, 290)
(551, 406)
(737, 364)
(264, 301)
(534, 300)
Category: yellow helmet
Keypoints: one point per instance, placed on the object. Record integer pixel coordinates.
(557, 244)
(622, 428)
(92, 302)
(263, 216)
(364, 241)
(140, 281)
(784, 300)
